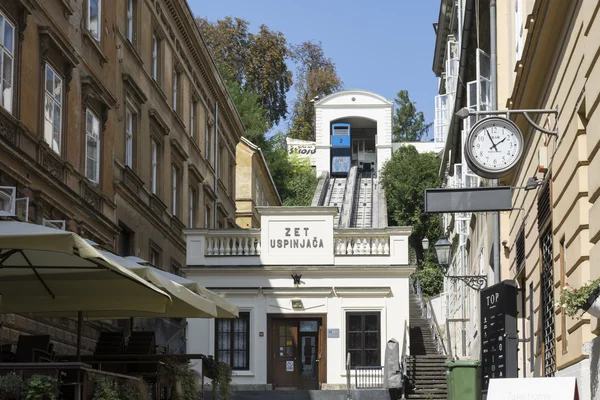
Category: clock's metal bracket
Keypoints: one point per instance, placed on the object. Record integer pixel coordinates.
(464, 113)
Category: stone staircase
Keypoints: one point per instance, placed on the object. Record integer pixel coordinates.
(425, 369)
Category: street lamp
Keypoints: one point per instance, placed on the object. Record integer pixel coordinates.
(425, 243)
(442, 250)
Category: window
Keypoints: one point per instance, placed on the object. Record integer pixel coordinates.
(53, 109)
(7, 56)
(231, 177)
(363, 338)
(154, 168)
(130, 25)
(193, 118)
(191, 205)
(126, 241)
(93, 18)
(155, 256)
(207, 217)
(518, 29)
(175, 89)
(92, 148)
(232, 341)
(175, 189)
(128, 137)
(175, 268)
(256, 190)
(154, 57)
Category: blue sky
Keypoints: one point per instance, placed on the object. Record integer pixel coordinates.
(380, 45)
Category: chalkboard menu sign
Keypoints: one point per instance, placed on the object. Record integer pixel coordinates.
(499, 342)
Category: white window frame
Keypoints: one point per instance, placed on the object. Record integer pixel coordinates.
(7, 88)
(129, 135)
(130, 20)
(90, 134)
(154, 167)
(98, 34)
(175, 89)
(174, 173)
(193, 106)
(154, 57)
(207, 143)
(207, 212)
(51, 97)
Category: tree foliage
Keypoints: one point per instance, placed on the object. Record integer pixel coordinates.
(404, 178)
(251, 111)
(316, 76)
(256, 62)
(430, 276)
(293, 176)
(408, 124)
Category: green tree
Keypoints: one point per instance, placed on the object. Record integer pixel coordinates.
(256, 62)
(404, 178)
(293, 176)
(430, 276)
(316, 76)
(408, 124)
(251, 111)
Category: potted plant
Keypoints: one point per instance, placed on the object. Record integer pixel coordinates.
(9, 384)
(575, 302)
(40, 387)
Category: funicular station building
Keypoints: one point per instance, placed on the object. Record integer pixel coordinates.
(315, 284)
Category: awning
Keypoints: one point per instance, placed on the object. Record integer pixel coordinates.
(46, 270)
(225, 309)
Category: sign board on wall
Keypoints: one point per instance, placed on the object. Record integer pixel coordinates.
(499, 342)
(289, 238)
(533, 388)
(302, 149)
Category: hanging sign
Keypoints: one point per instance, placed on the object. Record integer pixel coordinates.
(499, 342)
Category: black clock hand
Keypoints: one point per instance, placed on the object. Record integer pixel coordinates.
(500, 142)
(491, 140)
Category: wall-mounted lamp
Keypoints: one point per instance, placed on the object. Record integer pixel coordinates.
(297, 304)
(296, 278)
(425, 243)
(533, 183)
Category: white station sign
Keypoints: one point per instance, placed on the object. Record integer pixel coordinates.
(299, 241)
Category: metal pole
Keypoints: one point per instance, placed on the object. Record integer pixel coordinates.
(494, 98)
(216, 165)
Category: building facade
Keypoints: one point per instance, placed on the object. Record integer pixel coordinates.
(546, 61)
(114, 124)
(254, 185)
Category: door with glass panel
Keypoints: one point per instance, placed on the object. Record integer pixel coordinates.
(309, 358)
(285, 364)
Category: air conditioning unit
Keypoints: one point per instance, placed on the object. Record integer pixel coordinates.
(59, 224)
(7, 201)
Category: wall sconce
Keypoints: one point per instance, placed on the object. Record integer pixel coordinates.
(297, 305)
(296, 278)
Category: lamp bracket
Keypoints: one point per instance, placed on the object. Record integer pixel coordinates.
(476, 282)
(524, 112)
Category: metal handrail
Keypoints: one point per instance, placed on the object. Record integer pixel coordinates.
(348, 376)
(404, 359)
(435, 328)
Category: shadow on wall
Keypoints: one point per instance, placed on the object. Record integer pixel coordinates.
(593, 349)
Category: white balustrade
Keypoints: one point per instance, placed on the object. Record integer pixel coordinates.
(370, 245)
(233, 244)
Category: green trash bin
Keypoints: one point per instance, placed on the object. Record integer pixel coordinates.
(464, 380)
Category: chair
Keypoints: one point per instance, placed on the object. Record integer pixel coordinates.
(34, 348)
(110, 343)
(141, 342)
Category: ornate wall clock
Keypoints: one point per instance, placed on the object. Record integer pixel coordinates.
(494, 147)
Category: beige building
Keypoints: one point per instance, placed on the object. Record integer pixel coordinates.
(551, 62)
(115, 124)
(254, 184)
(547, 59)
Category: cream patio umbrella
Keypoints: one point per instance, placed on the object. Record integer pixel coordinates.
(186, 303)
(45, 271)
(225, 309)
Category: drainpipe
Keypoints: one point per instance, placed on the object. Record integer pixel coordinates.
(494, 95)
(216, 153)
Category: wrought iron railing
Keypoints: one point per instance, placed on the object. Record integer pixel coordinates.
(428, 313)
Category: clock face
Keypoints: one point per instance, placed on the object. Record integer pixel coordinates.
(494, 146)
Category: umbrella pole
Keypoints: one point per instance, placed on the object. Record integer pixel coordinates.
(79, 333)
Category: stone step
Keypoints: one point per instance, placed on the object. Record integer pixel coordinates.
(362, 394)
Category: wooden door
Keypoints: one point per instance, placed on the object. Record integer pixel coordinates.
(284, 348)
